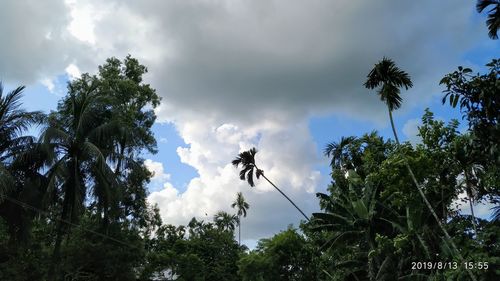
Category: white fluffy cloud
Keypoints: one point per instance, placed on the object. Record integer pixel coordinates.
(286, 154)
(156, 168)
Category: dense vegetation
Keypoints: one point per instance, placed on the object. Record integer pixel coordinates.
(73, 198)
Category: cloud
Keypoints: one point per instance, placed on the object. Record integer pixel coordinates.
(270, 57)
(243, 60)
(410, 130)
(73, 72)
(482, 209)
(49, 84)
(156, 168)
(35, 42)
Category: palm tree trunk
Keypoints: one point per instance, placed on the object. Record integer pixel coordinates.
(469, 195)
(56, 254)
(239, 230)
(393, 127)
(473, 217)
(286, 197)
(429, 206)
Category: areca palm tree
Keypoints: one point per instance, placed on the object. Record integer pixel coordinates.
(77, 139)
(225, 221)
(493, 21)
(389, 78)
(242, 207)
(337, 151)
(249, 168)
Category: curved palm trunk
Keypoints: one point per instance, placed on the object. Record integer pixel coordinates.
(290, 200)
(393, 127)
(429, 206)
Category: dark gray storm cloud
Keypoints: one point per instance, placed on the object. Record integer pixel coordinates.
(273, 57)
(301, 56)
(34, 41)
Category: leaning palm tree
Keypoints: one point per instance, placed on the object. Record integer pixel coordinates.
(242, 207)
(247, 161)
(389, 78)
(493, 21)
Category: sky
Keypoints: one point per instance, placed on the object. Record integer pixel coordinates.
(285, 76)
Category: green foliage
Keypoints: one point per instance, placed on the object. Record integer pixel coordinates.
(208, 253)
(477, 95)
(285, 256)
(374, 224)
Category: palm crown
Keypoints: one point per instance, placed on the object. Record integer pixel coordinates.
(387, 75)
(493, 21)
(240, 204)
(247, 160)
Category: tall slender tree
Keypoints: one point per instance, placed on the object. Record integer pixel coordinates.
(249, 168)
(493, 21)
(389, 78)
(242, 206)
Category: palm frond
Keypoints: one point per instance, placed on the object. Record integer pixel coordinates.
(496, 213)
(493, 21)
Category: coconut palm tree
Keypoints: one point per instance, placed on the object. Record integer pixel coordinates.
(13, 122)
(242, 207)
(225, 221)
(247, 161)
(19, 177)
(493, 21)
(76, 139)
(389, 78)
